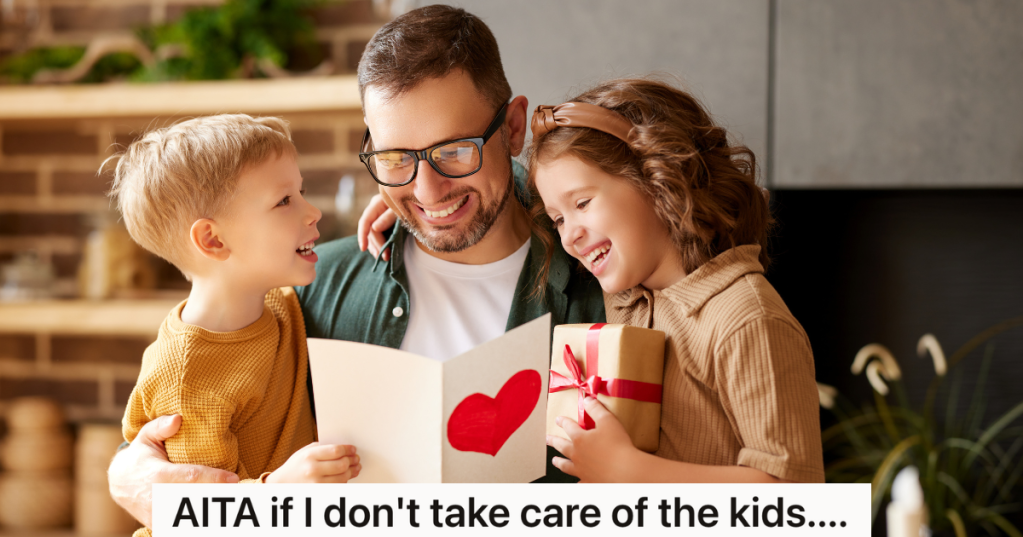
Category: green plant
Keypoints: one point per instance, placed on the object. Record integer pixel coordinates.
(970, 468)
(237, 39)
(20, 68)
(230, 40)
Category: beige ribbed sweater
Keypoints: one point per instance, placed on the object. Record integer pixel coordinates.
(242, 395)
(739, 384)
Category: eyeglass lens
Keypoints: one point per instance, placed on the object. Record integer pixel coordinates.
(455, 159)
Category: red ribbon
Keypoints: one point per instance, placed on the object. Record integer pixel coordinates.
(595, 385)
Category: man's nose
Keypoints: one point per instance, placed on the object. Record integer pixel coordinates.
(429, 186)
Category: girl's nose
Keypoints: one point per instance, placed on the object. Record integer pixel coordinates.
(571, 233)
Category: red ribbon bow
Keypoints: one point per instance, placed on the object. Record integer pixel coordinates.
(594, 385)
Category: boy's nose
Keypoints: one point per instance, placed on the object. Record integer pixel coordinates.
(314, 215)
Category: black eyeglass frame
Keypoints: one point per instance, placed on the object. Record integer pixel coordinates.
(424, 154)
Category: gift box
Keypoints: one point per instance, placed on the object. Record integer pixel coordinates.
(621, 365)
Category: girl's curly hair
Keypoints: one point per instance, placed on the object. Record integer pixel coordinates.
(702, 187)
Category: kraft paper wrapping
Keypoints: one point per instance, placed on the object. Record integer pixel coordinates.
(626, 352)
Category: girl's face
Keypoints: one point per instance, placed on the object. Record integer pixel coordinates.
(608, 225)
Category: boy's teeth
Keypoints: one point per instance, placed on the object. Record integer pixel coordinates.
(445, 212)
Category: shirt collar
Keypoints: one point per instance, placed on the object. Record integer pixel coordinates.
(692, 292)
(714, 276)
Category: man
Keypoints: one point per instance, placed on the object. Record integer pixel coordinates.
(433, 89)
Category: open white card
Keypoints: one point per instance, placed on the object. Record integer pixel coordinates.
(418, 420)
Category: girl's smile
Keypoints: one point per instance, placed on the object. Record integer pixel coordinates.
(608, 225)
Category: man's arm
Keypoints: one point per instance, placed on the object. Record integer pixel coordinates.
(134, 469)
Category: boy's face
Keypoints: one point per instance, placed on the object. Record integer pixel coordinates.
(269, 228)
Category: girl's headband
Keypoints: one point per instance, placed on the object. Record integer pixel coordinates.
(572, 114)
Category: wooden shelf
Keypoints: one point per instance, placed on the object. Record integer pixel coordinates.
(86, 317)
(289, 95)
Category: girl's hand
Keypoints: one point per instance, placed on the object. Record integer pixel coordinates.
(376, 219)
(318, 463)
(604, 454)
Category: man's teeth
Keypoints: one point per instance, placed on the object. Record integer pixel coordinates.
(306, 249)
(596, 252)
(444, 212)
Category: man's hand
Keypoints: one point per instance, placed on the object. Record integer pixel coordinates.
(318, 463)
(134, 470)
(604, 454)
(376, 219)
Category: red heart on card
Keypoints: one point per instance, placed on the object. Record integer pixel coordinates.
(483, 424)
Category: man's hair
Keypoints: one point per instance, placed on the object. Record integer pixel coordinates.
(701, 186)
(430, 42)
(171, 177)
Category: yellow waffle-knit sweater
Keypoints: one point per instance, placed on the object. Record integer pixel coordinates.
(242, 395)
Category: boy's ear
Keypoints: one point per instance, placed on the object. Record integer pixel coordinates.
(205, 237)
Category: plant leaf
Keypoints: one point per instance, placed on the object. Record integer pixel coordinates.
(885, 473)
(957, 522)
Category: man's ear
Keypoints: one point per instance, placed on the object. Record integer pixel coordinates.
(205, 238)
(518, 121)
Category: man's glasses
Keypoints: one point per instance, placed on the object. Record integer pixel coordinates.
(454, 159)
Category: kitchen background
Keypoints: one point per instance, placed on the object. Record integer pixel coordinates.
(890, 133)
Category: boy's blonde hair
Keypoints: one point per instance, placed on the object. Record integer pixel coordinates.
(171, 177)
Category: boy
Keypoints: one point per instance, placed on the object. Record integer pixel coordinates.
(220, 197)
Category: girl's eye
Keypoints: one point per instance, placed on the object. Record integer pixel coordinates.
(558, 221)
(582, 204)
(284, 202)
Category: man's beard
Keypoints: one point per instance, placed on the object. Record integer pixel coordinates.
(445, 239)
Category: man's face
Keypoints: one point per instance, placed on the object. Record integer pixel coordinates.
(446, 215)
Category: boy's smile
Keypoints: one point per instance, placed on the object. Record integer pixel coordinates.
(269, 228)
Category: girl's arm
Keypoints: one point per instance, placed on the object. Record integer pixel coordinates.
(605, 454)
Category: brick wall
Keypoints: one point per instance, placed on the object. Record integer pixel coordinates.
(51, 195)
(343, 26)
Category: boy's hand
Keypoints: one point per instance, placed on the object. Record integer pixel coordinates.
(135, 468)
(318, 463)
(603, 454)
(375, 219)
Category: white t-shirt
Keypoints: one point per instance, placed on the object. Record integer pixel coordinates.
(457, 307)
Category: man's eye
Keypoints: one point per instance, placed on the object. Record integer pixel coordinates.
(284, 202)
(582, 204)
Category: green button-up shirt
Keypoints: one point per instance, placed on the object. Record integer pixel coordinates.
(356, 297)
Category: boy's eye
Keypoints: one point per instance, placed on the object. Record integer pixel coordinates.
(285, 201)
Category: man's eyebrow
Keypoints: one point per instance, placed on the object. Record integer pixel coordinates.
(460, 136)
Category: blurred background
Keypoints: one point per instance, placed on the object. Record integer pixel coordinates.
(890, 133)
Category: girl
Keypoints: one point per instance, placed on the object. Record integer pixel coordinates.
(649, 195)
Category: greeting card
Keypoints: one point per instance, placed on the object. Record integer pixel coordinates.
(476, 418)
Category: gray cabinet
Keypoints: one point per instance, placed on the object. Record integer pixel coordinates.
(554, 49)
(895, 94)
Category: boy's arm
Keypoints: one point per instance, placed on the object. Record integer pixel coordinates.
(134, 469)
